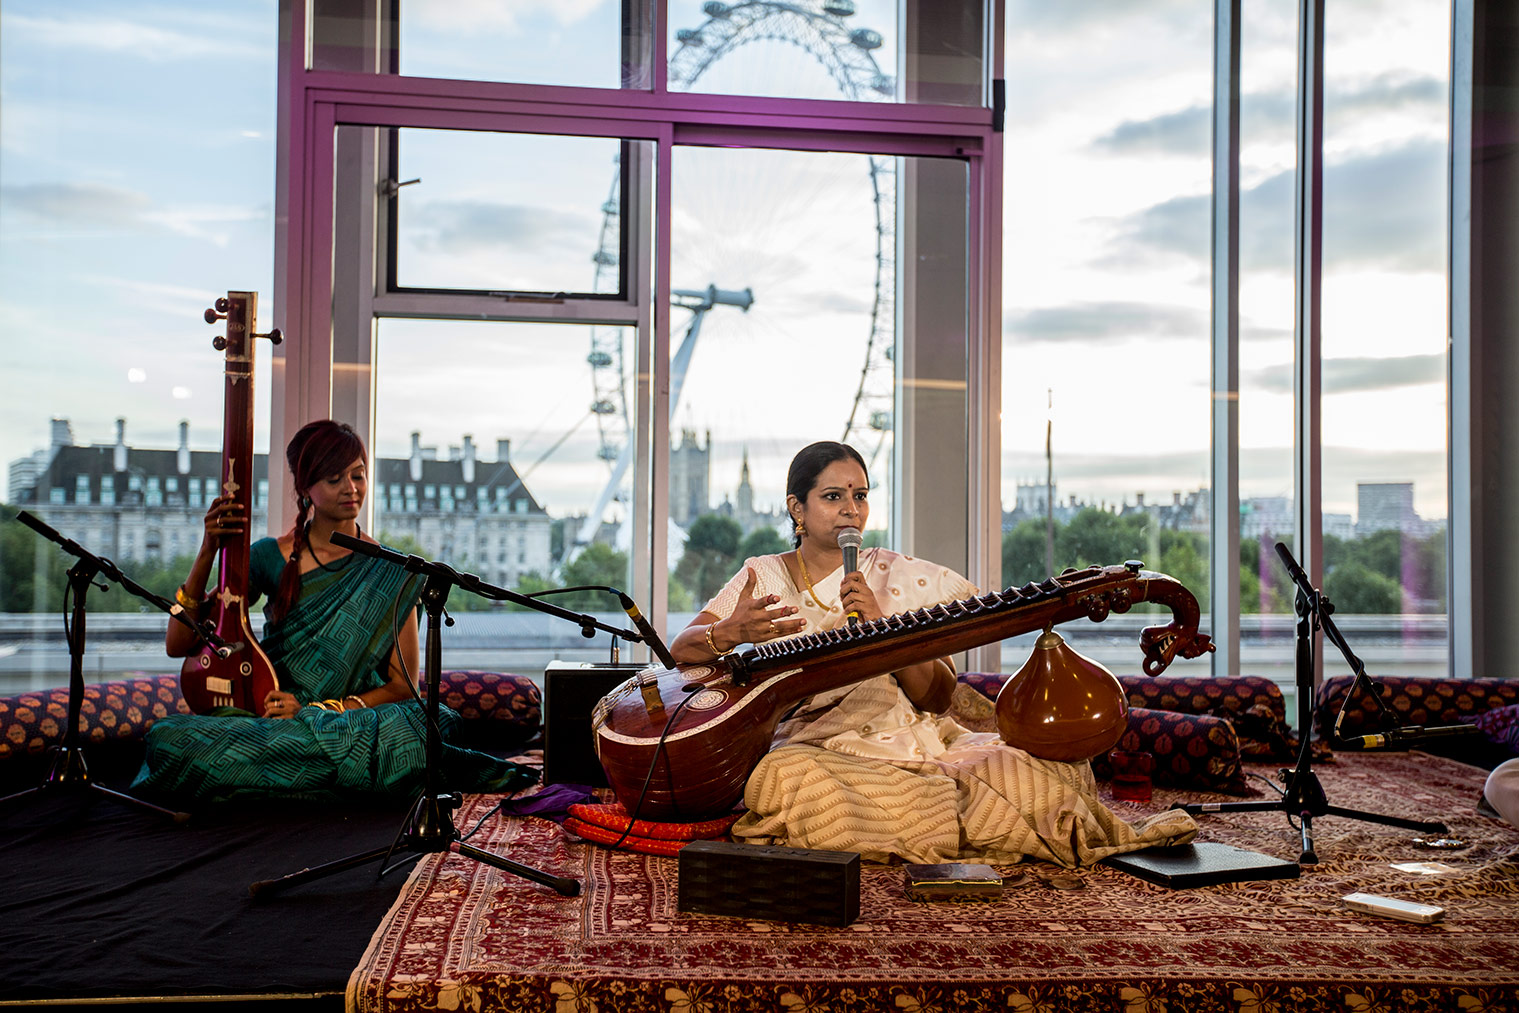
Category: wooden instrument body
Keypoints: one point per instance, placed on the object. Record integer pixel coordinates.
(246, 676)
(680, 744)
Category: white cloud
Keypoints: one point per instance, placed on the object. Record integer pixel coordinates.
(1361, 373)
(486, 15)
(99, 206)
(1381, 207)
(81, 30)
(1095, 322)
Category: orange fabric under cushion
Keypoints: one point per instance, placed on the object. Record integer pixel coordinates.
(607, 824)
(612, 816)
(614, 838)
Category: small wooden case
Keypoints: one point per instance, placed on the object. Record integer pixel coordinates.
(952, 881)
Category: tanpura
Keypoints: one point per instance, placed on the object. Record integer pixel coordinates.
(678, 744)
(243, 678)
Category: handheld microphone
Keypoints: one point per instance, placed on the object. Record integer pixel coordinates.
(850, 541)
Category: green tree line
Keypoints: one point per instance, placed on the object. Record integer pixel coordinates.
(34, 573)
(1384, 573)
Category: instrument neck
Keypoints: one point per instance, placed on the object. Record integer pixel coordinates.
(848, 654)
(237, 479)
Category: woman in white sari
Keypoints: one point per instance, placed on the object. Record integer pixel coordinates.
(877, 767)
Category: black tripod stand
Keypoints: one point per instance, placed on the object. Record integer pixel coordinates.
(68, 771)
(429, 827)
(1302, 794)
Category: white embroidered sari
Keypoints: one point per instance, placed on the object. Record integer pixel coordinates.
(861, 769)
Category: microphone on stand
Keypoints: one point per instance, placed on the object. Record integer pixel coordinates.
(850, 541)
(642, 626)
(1406, 736)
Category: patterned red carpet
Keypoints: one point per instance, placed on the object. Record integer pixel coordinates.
(465, 936)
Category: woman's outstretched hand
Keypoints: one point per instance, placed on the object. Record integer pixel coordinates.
(758, 619)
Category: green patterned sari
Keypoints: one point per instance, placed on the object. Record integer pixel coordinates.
(336, 640)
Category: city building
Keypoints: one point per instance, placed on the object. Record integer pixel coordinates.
(139, 504)
(1384, 505)
(690, 478)
(741, 507)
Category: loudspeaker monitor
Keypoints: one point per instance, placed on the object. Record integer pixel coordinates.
(570, 693)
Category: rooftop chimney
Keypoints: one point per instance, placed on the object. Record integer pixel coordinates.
(503, 451)
(416, 456)
(469, 459)
(62, 435)
(119, 454)
(182, 459)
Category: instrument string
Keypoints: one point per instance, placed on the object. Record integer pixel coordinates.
(659, 748)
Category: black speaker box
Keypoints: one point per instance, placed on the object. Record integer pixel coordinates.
(764, 881)
(570, 694)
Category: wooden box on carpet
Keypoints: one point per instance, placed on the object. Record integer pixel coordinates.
(772, 883)
(952, 881)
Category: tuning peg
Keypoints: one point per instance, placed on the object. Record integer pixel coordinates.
(275, 336)
(212, 316)
(219, 343)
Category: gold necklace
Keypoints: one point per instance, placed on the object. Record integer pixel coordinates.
(801, 562)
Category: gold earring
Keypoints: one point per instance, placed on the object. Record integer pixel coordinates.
(800, 530)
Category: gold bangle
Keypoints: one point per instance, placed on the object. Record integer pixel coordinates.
(711, 645)
(183, 597)
(356, 699)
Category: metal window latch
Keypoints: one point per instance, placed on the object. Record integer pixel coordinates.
(389, 187)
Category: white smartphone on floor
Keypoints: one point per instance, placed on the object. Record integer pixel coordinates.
(1390, 907)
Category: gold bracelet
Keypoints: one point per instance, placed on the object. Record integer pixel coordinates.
(184, 599)
(356, 699)
(710, 643)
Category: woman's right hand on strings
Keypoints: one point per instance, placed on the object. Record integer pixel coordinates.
(758, 619)
(224, 522)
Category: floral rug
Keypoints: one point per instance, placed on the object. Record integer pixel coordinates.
(466, 936)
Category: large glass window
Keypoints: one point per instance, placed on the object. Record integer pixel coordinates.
(1268, 162)
(789, 330)
(1105, 383)
(1386, 143)
(493, 424)
(862, 50)
(581, 43)
(506, 212)
(137, 152)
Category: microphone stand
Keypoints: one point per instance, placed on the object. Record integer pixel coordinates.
(68, 770)
(429, 827)
(1302, 794)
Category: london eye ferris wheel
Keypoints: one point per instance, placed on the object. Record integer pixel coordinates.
(826, 37)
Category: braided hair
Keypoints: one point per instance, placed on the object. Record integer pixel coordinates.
(319, 449)
(809, 463)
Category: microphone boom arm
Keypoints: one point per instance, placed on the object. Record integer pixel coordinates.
(110, 571)
(472, 583)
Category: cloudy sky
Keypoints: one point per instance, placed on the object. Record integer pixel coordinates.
(129, 198)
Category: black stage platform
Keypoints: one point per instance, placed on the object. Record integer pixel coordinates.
(106, 904)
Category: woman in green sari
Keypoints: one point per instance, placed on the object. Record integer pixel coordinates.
(341, 631)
